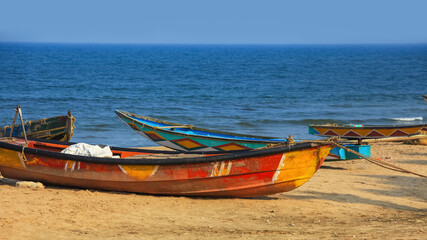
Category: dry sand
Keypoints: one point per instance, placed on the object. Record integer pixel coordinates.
(344, 200)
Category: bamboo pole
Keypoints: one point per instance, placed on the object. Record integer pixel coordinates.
(378, 162)
(179, 126)
(48, 130)
(13, 124)
(395, 139)
(22, 123)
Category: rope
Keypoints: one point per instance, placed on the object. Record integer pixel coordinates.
(69, 131)
(290, 140)
(23, 154)
(377, 161)
(73, 120)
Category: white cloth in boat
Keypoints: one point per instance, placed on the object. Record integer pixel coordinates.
(84, 149)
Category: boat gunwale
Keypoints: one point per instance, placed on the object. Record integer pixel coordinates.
(368, 126)
(33, 122)
(260, 139)
(37, 120)
(141, 150)
(162, 161)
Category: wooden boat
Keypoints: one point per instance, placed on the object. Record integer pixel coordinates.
(236, 174)
(56, 128)
(189, 138)
(351, 131)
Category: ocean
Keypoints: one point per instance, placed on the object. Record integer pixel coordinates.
(270, 90)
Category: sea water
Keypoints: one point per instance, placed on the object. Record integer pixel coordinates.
(270, 90)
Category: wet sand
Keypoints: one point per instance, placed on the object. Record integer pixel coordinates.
(344, 200)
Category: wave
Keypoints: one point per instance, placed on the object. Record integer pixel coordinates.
(246, 124)
(317, 121)
(409, 119)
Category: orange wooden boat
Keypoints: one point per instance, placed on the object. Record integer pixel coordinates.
(237, 174)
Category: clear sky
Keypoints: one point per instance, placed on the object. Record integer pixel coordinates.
(215, 21)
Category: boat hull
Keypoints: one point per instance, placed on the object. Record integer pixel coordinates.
(238, 177)
(56, 128)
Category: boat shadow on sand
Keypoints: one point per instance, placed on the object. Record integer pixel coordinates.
(333, 168)
(414, 162)
(350, 198)
(399, 187)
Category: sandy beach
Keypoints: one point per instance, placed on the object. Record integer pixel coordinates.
(207, 76)
(350, 199)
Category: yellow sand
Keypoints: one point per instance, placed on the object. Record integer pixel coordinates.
(344, 200)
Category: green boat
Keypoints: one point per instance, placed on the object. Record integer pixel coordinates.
(189, 138)
(55, 128)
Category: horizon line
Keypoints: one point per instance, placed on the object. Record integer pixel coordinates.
(235, 44)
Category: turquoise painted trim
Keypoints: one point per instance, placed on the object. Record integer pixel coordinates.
(345, 155)
(206, 142)
(312, 131)
(203, 133)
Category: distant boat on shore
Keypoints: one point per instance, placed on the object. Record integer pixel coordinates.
(351, 131)
(55, 128)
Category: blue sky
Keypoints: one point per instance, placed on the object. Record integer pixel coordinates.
(214, 22)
